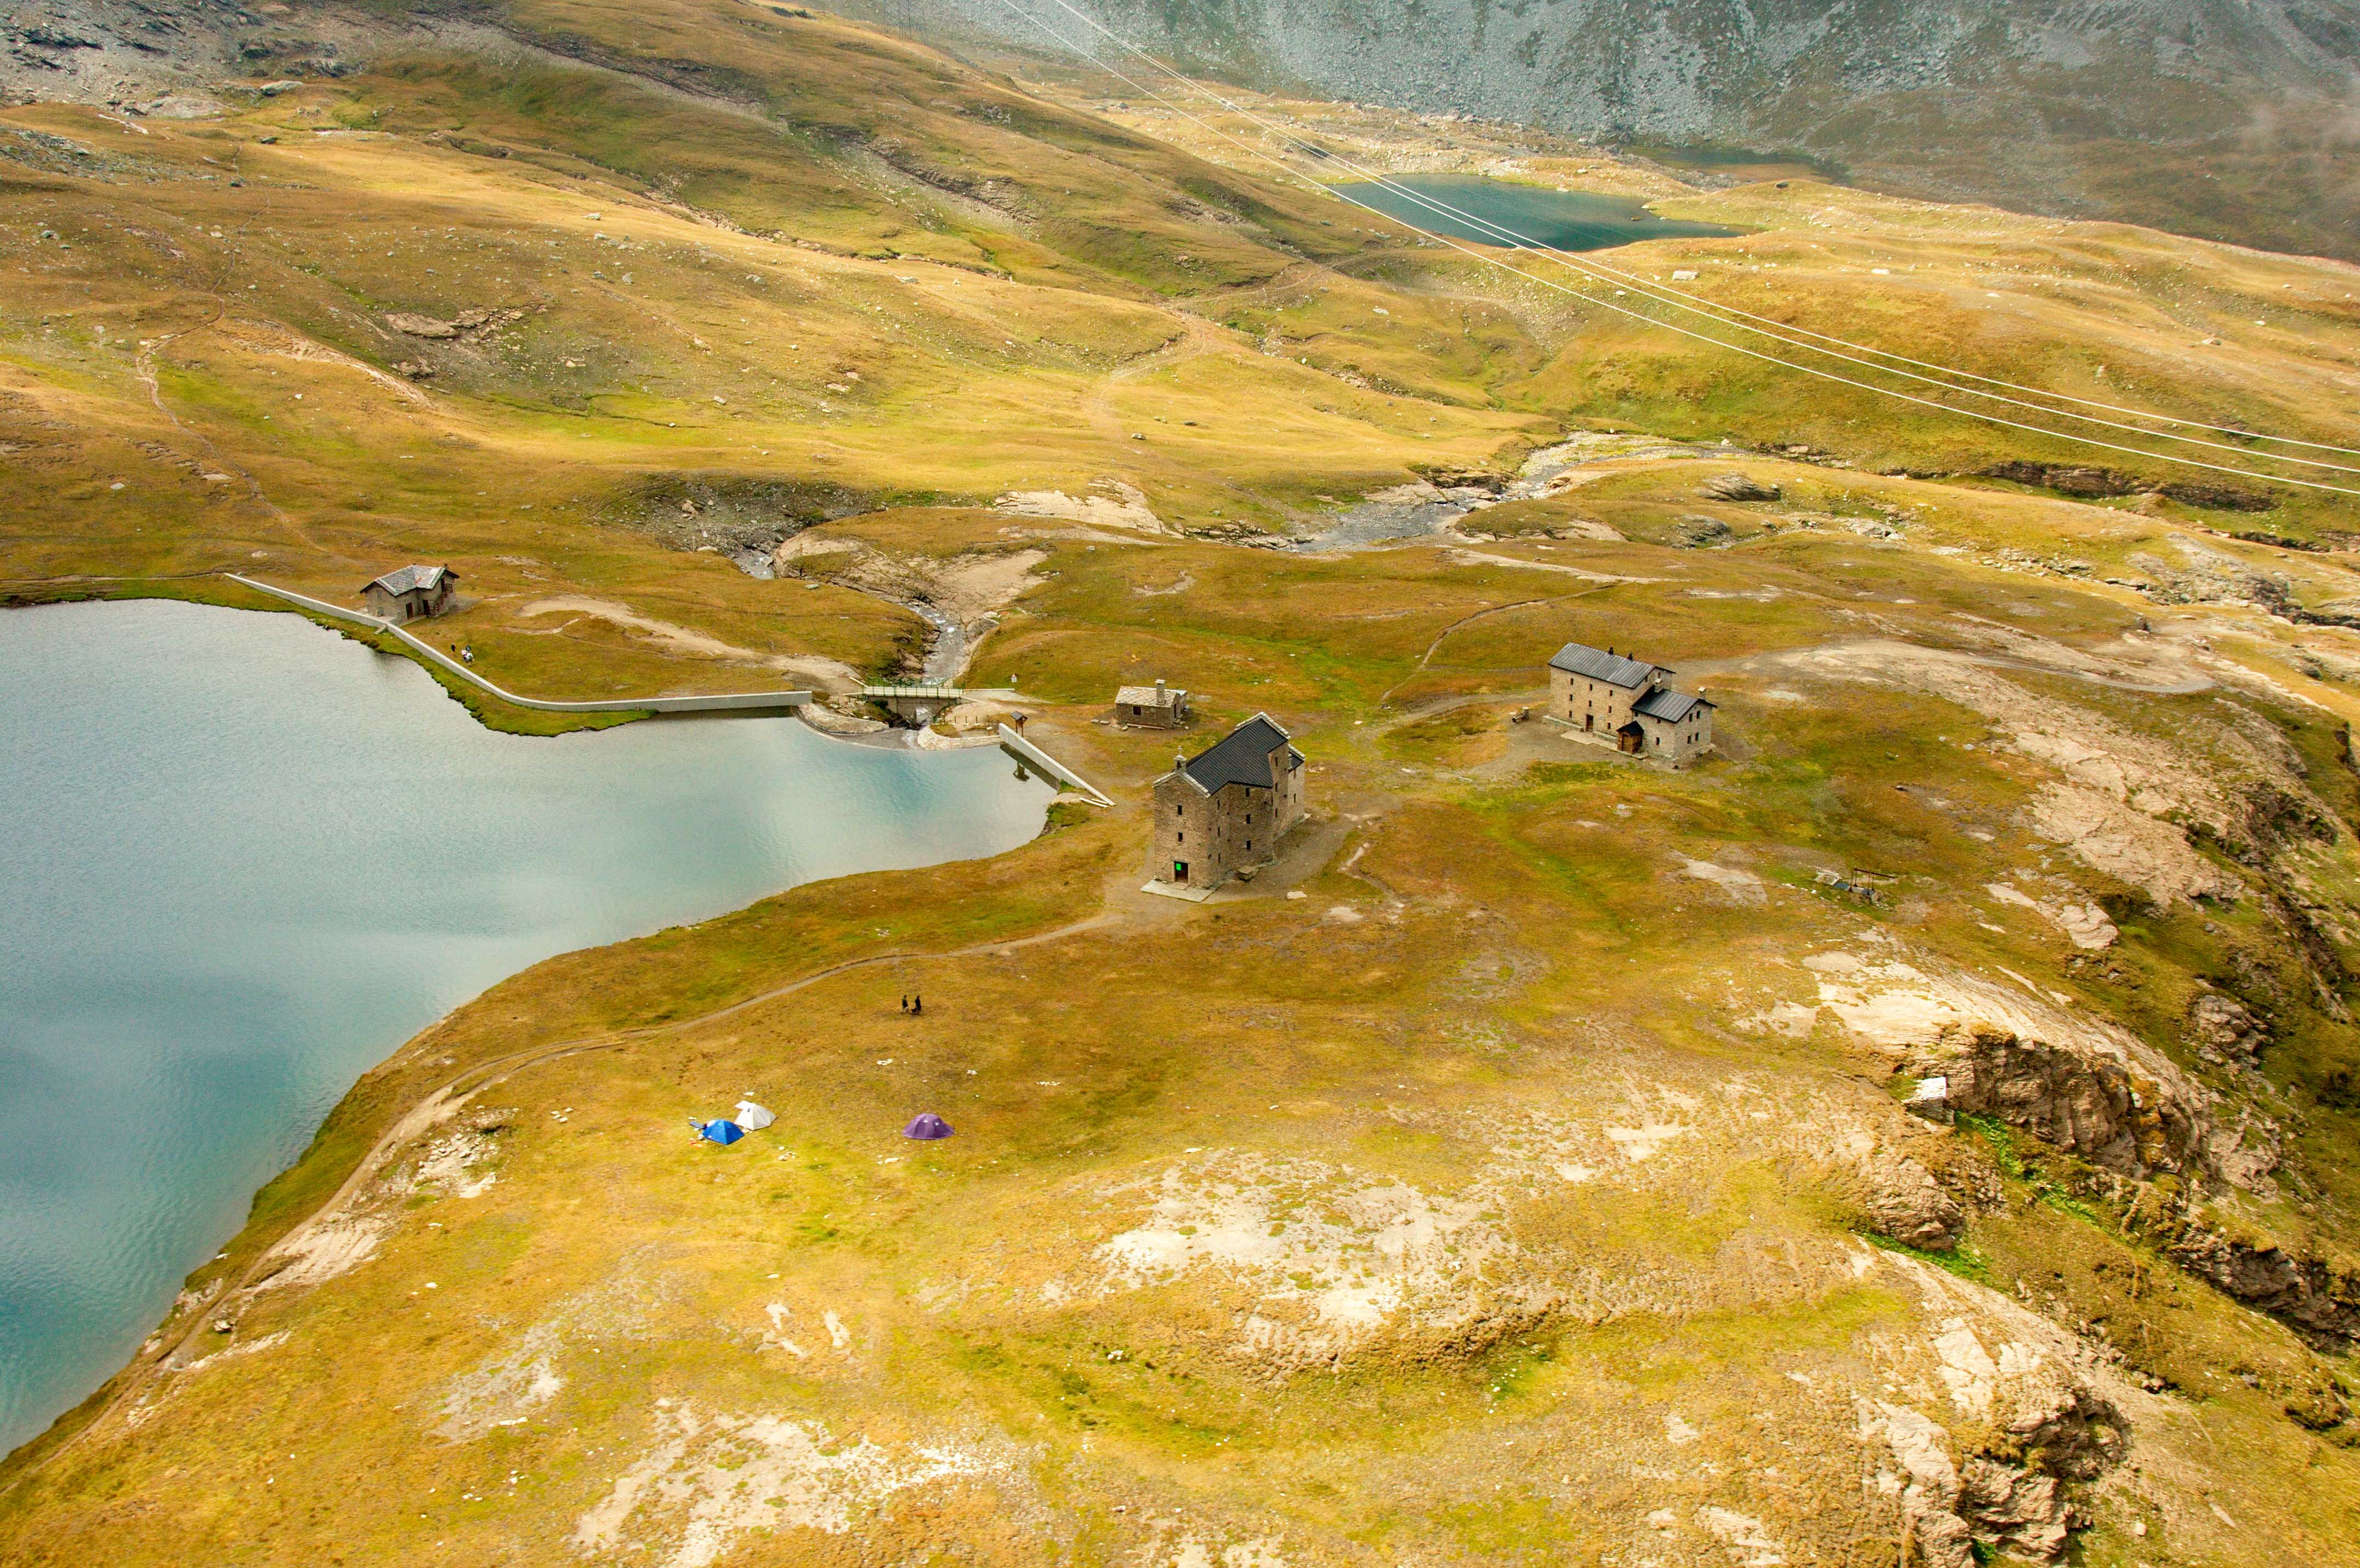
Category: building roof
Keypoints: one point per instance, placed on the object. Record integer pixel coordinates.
(1241, 757)
(1669, 705)
(1151, 696)
(1581, 658)
(410, 577)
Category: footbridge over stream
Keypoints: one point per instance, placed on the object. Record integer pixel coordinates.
(920, 704)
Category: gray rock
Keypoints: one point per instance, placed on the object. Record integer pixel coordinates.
(1902, 1200)
(2221, 1029)
(1698, 531)
(1737, 487)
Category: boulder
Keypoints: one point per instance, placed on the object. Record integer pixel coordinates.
(1696, 531)
(1902, 1200)
(418, 326)
(1737, 487)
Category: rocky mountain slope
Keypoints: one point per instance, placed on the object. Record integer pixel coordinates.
(2214, 118)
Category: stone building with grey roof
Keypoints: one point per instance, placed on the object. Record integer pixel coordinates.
(1616, 700)
(411, 592)
(1227, 807)
(1156, 707)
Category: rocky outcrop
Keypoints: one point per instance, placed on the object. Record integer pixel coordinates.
(2317, 1297)
(2014, 1510)
(2135, 1118)
(1696, 531)
(2011, 1495)
(2135, 1115)
(2222, 1029)
(2147, 852)
(2209, 576)
(1899, 1198)
(473, 325)
(2069, 479)
(2040, 1415)
(1737, 487)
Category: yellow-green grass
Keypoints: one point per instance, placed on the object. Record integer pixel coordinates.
(1489, 941)
(654, 1259)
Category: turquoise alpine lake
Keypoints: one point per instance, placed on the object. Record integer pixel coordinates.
(245, 858)
(1537, 215)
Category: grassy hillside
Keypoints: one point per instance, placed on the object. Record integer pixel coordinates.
(1514, 1172)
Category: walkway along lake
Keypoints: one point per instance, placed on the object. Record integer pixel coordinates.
(245, 858)
(1540, 214)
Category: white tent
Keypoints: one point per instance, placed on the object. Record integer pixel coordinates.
(753, 1117)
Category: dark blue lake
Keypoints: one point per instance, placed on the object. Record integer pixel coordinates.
(1536, 214)
(247, 858)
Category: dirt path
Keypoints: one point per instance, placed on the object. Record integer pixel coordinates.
(145, 367)
(1195, 337)
(1445, 634)
(686, 640)
(430, 1109)
(1470, 553)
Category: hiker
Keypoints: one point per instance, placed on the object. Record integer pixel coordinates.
(905, 1002)
(917, 1005)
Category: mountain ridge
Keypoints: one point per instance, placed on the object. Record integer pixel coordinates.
(2055, 109)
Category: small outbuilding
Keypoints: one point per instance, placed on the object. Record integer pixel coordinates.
(1228, 807)
(1624, 702)
(1156, 707)
(411, 594)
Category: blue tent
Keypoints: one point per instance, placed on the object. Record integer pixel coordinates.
(718, 1131)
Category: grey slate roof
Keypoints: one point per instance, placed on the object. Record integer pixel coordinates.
(1669, 705)
(410, 577)
(1241, 757)
(1148, 697)
(1581, 658)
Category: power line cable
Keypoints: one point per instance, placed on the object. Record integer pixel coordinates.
(1599, 272)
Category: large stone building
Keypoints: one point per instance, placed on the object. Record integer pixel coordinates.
(1621, 701)
(1228, 806)
(1158, 707)
(410, 594)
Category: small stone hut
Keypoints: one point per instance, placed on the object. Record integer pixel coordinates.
(1228, 806)
(1624, 702)
(411, 594)
(1156, 707)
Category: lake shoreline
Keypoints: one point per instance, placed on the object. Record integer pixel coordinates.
(1508, 215)
(952, 822)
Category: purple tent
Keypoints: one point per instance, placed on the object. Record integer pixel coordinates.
(927, 1125)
